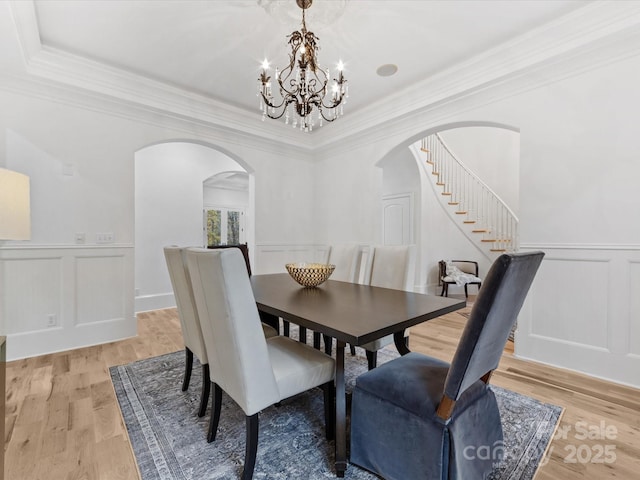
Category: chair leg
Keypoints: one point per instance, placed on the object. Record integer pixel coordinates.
(270, 320)
(216, 404)
(466, 293)
(251, 447)
(328, 344)
(352, 349)
(188, 365)
(372, 359)
(329, 410)
(206, 388)
(443, 289)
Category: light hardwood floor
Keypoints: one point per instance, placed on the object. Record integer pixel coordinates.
(63, 420)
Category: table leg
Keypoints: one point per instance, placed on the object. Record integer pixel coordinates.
(341, 412)
(401, 343)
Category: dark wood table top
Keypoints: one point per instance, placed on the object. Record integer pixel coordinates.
(354, 313)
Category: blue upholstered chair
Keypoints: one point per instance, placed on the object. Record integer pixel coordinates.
(419, 417)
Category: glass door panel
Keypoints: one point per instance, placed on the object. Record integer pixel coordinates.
(224, 226)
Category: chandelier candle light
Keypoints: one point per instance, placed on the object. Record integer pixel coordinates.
(303, 86)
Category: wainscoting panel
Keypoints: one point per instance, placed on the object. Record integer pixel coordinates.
(100, 291)
(33, 293)
(583, 311)
(560, 320)
(634, 309)
(57, 298)
(272, 258)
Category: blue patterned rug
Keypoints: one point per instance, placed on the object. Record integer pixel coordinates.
(169, 440)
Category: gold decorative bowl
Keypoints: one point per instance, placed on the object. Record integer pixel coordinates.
(310, 274)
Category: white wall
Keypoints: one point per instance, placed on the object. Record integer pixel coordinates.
(214, 196)
(579, 166)
(81, 163)
(168, 205)
(578, 198)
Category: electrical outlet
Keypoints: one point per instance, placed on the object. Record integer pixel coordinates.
(105, 237)
(52, 320)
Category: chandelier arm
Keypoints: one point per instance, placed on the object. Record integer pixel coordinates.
(328, 119)
(270, 104)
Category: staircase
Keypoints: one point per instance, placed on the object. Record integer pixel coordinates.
(486, 220)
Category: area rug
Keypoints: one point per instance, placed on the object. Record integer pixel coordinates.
(169, 440)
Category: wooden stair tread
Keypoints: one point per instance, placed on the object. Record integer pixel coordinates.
(480, 231)
(461, 213)
(488, 240)
(469, 221)
(498, 250)
(447, 193)
(440, 184)
(454, 203)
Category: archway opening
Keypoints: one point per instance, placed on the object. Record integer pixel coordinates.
(491, 151)
(170, 184)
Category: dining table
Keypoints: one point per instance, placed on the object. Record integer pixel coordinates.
(350, 313)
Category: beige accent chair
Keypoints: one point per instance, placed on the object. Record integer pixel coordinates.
(389, 267)
(256, 372)
(469, 267)
(190, 323)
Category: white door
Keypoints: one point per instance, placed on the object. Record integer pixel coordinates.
(397, 219)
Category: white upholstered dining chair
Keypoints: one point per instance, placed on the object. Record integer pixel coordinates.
(346, 258)
(190, 322)
(388, 267)
(256, 372)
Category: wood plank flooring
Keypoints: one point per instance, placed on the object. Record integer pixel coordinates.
(63, 421)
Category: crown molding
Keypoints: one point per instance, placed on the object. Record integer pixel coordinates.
(579, 31)
(78, 72)
(585, 28)
(182, 128)
(436, 107)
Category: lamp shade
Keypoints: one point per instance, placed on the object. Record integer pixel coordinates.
(15, 217)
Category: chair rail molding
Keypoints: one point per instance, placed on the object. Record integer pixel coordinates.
(583, 311)
(61, 297)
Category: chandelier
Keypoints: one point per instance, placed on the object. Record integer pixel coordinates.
(306, 92)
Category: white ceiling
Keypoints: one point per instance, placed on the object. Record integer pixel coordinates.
(215, 47)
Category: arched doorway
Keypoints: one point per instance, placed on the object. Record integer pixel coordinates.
(491, 150)
(169, 203)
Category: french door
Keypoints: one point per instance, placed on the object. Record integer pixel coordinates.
(224, 226)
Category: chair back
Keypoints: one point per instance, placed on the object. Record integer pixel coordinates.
(346, 258)
(238, 358)
(493, 315)
(243, 247)
(183, 293)
(391, 267)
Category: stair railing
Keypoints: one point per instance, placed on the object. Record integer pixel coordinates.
(478, 205)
